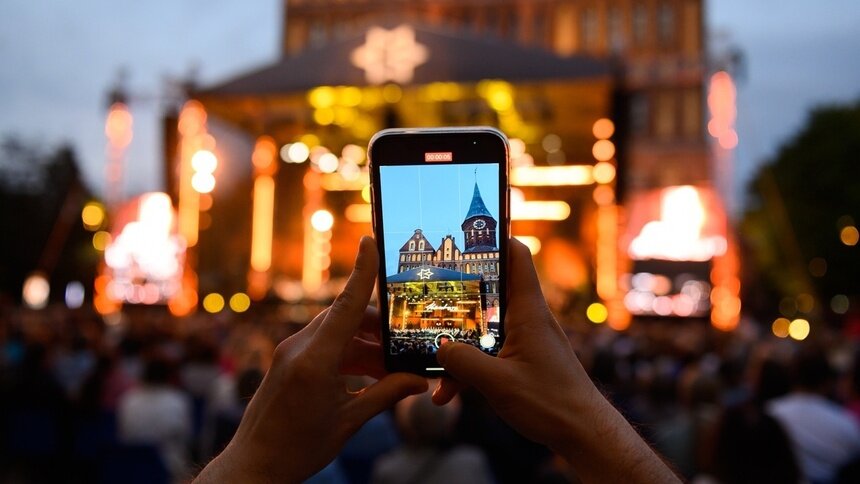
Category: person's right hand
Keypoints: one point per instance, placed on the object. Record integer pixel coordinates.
(538, 386)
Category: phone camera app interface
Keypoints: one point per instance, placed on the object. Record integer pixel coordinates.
(441, 256)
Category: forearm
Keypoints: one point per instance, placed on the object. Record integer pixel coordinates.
(603, 447)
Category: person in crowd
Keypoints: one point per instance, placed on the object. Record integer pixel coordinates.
(302, 413)
(158, 414)
(825, 437)
(429, 454)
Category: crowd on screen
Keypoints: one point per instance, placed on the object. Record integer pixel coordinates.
(153, 398)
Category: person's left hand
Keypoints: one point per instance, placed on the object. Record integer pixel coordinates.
(303, 413)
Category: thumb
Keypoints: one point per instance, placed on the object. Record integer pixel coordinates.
(471, 366)
(383, 394)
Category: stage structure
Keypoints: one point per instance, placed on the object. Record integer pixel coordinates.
(603, 102)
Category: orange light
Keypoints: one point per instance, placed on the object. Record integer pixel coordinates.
(358, 213)
(603, 128)
(849, 235)
(322, 220)
(603, 150)
(780, 327)
(569, 175)
(262, 220)
(607, 252)
(540, 210)
(118, 127)
(533, 243)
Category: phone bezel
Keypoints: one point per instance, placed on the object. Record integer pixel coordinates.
(408, 147)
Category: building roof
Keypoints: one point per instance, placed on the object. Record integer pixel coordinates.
(451, 56)
(432, 274)
(477, 208)
(481, 248)
(418, 236)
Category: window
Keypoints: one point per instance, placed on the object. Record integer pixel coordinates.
(639, 113)
(665, 118)
(421, 245)
(616, 30)
(692, 124)
(665, 24)
(589, 28)
(411, 245)
(640, 24)
(565, 29)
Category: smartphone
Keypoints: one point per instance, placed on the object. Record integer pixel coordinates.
(441, 218)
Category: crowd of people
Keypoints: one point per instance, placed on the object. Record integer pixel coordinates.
(154, 398)
(423, 341)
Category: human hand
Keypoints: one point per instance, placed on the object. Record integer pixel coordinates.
(302, 413)
(538, 386)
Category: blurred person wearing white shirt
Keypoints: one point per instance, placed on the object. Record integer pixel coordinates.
(155, 413)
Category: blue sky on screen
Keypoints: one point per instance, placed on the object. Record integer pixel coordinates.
(434, 198)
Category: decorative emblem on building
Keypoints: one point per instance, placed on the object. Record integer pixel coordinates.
(390, 55)
(425, 273)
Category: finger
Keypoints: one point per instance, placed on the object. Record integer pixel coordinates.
(362, 357)
(524, 286)
(446, 390)
(312, 327)
(383, 395)
(370, 328)
(347, 312)
(470, 366)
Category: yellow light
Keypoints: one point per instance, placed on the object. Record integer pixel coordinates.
(203, 182)
(798, 329)
(310, 140)
(365, 193)
(324, 116)
(569, 175)
(321, 97)
(350, 96)
(603, 150)
(322, 220)
(240, 302)
(101, 240)
(262, 219)
(533, 243)
(603, 128)
(597, 313)
(204, 161)
(93, 215)
(36, 291)
(780, 327)
(849, 236)
(327, 163)
(500, 99)
(603, 172)
(392, 93)
(358, 213)
(540, 210)
(213, 303)
(298, 152)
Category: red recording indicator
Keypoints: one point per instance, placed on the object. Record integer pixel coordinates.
(438, 157)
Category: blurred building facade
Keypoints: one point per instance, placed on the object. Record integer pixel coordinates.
(602, 101)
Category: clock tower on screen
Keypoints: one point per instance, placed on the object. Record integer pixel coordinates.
(479, 227)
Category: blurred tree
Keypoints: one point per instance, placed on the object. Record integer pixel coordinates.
(41, 197)
(800, 203)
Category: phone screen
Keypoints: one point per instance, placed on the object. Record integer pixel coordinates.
(441, 262)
